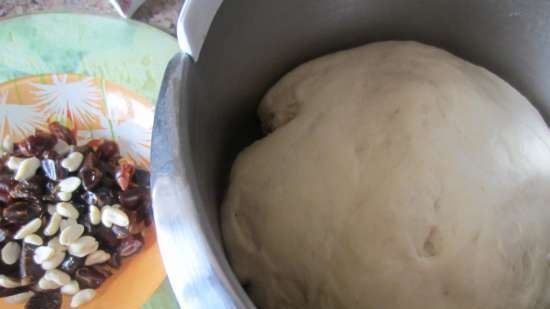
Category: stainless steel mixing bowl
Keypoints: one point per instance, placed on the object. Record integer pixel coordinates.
(207, 110)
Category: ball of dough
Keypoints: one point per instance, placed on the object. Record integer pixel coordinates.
(395, 176)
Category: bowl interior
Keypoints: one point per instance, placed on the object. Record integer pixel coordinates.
(251, 44)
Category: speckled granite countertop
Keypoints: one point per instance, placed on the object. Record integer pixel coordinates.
(159, 13)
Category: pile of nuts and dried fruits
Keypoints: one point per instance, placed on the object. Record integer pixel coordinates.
(69, 214)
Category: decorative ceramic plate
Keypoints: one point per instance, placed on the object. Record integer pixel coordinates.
(114, 71)
(94, 108)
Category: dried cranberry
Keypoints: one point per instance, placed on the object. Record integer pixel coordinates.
(45, 300)
(89, 278)
(7, 183)
(31, 189)
(9, 270)
(101, 197)
(137, 221)
(105, 236)
(5, 197)
(107, 167)
(115, 261)
(142, 178)
(9, 229)
(107, 150)
(109, 183)
(95, 143)
(132, 198)
(120, 232)
(53, 169)
(124, 173)
(131, 245)
(90, 160)
(91, 177)
(35, 145)
(104, 269)
(27, 266)
(71, 263)
(62, 132)
(4, 292)
(21, 212)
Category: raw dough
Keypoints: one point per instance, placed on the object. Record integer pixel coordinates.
(397, 176)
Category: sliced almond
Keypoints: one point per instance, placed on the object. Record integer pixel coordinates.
(54, 244)
(66, 210)
(43, 253)
(20, 298)
(9, 283)
(82, 297)
(54, 261)
(71, 288)
(14, 162)
(64, 196)
(95, 215)
(45, 284)
(83, 246)
(97, 257)
(10, 253)
(57, 276)
(27, 168)
(28, 229)
(53, 225)
(70, 234)
(70, 184)
(111, 215)
(33, 239)
(73, 161)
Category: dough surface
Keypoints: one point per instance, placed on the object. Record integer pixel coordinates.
(396, 176)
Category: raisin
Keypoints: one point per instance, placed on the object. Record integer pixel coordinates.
(27, 266)
(71, 263)
(35, 145)
(131, 245)
(21, 212)
(45, 300)
(89, 278)
(90, 176)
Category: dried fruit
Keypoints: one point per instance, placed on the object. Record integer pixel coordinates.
(91, 177)
(45, 300)
(21, 212)
(4, 292)
(62, 133)
(124, 173)
(107, 150)
(27, 267)
(89, 278)
(100, 197)
(131, 245)
(71, 264)
(133, 198)
(36, 144)
(53, 200)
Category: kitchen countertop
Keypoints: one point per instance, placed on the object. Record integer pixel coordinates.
(159, 13)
